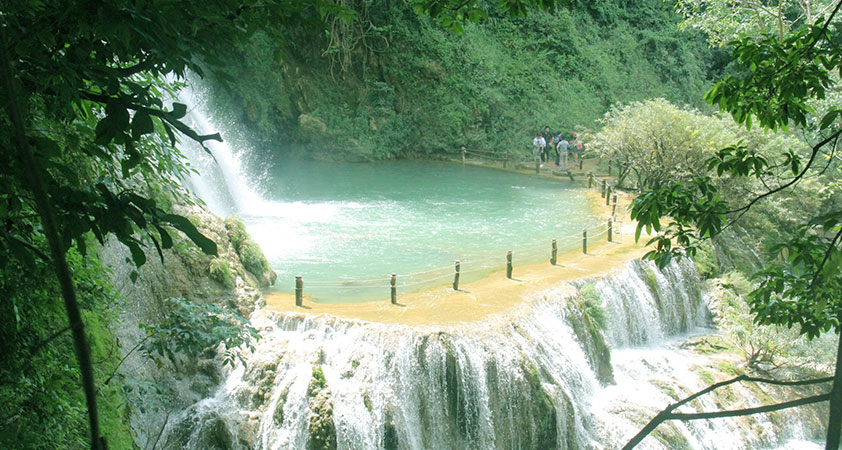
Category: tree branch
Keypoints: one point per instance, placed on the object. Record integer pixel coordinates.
(667, 413)
(743, 209)
(826, 257)
(114, 372)
(748, 411)
(29, 246)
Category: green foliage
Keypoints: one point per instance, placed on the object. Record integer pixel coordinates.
(769, 345)
(726, 20)
(803, 289)
(253, 259)
(778, 78)
(236, 231)
(799, 69)
(398, 85)
(40, 402)
(220, 270)
(193, 330)
(88, 143)
(658, 143)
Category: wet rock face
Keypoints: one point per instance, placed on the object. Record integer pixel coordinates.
(196, 431)
(322, 428)
(185, 272)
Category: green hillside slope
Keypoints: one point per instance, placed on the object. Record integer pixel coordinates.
(393, 84)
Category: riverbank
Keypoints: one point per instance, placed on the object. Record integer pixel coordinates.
(594, 166)
(492, 294)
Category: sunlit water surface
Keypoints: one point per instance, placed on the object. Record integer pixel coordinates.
(345, 227)
(345, 222)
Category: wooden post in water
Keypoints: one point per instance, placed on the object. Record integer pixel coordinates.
(607, 195)
(614, 208)
(554, 255)
(602, 190)
(590, 180)
(610, 230)
(509, 264)
(394, 289)
(585, 241)
(463, 155)
(456, 278)
(299, 289)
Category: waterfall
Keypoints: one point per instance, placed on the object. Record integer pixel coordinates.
(528, 380)
(646, 305)
(220, 178)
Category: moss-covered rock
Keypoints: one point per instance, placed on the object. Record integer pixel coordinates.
(185, 272)
(322, 428)
(588, 318)
(544, 433)
(279, 408)
(220, 270)
(390, 433)
(250, 254)
(705, 260)
(652, 283)
(236, 231)
(253, 259)
(672, 438)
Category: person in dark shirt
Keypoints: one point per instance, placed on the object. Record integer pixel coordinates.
(547, 135)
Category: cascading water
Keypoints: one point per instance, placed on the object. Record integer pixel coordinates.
(543, 376)
(522, 381)
(219, 179)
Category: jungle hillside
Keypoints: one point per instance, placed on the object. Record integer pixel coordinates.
(391, 83)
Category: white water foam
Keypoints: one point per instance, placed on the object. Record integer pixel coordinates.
(522, 381)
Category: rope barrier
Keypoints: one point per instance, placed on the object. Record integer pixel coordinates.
(489, 156)
(480, 152)
(450, 275)
(534, 251)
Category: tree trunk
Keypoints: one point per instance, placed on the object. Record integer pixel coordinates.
(834, 421)
(32, 175)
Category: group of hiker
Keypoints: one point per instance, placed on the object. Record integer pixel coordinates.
(547, 143)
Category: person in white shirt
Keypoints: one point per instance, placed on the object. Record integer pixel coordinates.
(561, 150)
(538, 145)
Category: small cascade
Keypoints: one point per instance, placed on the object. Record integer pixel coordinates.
(491, 386)
(525, 381)
(221, 182)
(646, 305)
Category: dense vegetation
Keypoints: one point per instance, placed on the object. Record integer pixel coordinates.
(91, 150)
(394, 84)
(785, 78)
(42, 406)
